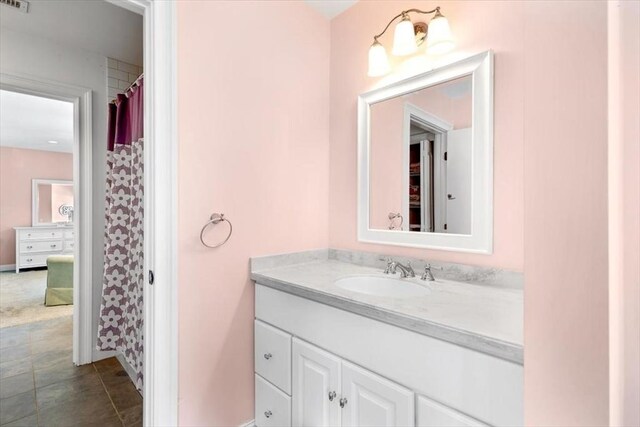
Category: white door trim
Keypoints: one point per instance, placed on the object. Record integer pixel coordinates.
(161, 201)
(83, 338)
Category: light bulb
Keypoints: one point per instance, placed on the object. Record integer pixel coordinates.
(439, 39)
(378, 61)
(404, 38)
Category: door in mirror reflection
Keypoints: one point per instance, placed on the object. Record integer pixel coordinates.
(421, 160)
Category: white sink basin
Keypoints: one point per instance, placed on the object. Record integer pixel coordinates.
(383, 286)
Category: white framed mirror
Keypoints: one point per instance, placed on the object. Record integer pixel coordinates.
(425, 159)
(51, 202)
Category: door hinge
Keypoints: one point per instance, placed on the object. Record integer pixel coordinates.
(446, 155)
(445, 226)
(151, 277)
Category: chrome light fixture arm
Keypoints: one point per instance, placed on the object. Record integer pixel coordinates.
(402, 15)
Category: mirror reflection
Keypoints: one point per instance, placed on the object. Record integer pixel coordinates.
(53, 201)
(420, 160)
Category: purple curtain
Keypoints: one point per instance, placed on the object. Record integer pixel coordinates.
(120, 326)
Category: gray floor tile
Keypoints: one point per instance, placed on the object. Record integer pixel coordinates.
(16, 384)
(50, 358)
(83, 410)
(66, 390)
(124, 396)
(30, 421)
(15, 367)
(45, 345)
(132, 416)
(15, 352)
(15, 336)
(59, 372)
(16, 407)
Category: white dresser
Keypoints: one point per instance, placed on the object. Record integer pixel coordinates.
(35, 244)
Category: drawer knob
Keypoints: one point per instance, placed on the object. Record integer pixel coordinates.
(29, 259)
(332, 395)
(29, 247)
(268, 414)
(53, 246)
(29, 235)
(343, 402)
(268, 356)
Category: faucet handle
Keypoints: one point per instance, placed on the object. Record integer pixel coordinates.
(389, 261)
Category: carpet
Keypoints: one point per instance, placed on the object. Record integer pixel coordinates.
(22, 299)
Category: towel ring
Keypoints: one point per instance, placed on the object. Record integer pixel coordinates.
(215, 219)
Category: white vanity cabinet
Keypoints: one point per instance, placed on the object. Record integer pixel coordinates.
(316, 386)
(332, 367)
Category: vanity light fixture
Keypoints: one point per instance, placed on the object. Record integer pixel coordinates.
(408, 36)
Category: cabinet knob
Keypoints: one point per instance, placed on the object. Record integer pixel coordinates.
(332, 395)
(29, 247)
(29, 259)
(343, 402)
(268, 414)
(268, 356)
(53, 246)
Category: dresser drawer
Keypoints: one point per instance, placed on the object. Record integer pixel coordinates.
(68, 234)
(41, 246)
(273, 355)
(273, 407)
(33, 260)
(68, 245)
(40, 235)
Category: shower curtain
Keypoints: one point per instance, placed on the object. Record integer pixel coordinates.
(120, 326)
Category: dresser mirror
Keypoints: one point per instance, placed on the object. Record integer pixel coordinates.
(426, 159)
(52, 202)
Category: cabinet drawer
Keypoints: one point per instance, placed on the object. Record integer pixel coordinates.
(273, 407)
(40, 235)
(273, 355)
(68, 234)
(434, 414)
(33, 260)
(43, 246)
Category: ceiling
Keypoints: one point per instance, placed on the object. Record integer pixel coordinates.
(97, 26)
(331, 8)
(28, 121)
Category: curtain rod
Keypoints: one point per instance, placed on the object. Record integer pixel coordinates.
(135, 83)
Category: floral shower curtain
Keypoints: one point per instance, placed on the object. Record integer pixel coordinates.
(120, 325)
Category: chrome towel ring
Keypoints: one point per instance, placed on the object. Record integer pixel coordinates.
(215, 219)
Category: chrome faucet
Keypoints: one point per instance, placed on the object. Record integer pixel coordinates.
(405, 270)
(428, 275)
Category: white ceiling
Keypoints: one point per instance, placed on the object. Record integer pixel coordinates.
(28, 121)
(331, 8)
(95, 25)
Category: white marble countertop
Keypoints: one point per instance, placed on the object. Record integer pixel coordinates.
(484, 318)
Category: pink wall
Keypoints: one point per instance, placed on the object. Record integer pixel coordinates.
(550, 178)
(624, 205)
(565, 169)
(354, 30)
(17, 168)
(254, 144)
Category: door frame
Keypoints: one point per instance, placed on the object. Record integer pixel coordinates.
(161, 213)
(81, 98)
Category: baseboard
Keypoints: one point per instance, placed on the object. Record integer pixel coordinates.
(7, 267)
(251, 423)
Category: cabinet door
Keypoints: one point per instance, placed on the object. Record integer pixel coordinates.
(374, 401)
(316, 386)
(434, 414)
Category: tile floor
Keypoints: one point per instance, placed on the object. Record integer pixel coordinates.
(40, 386)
